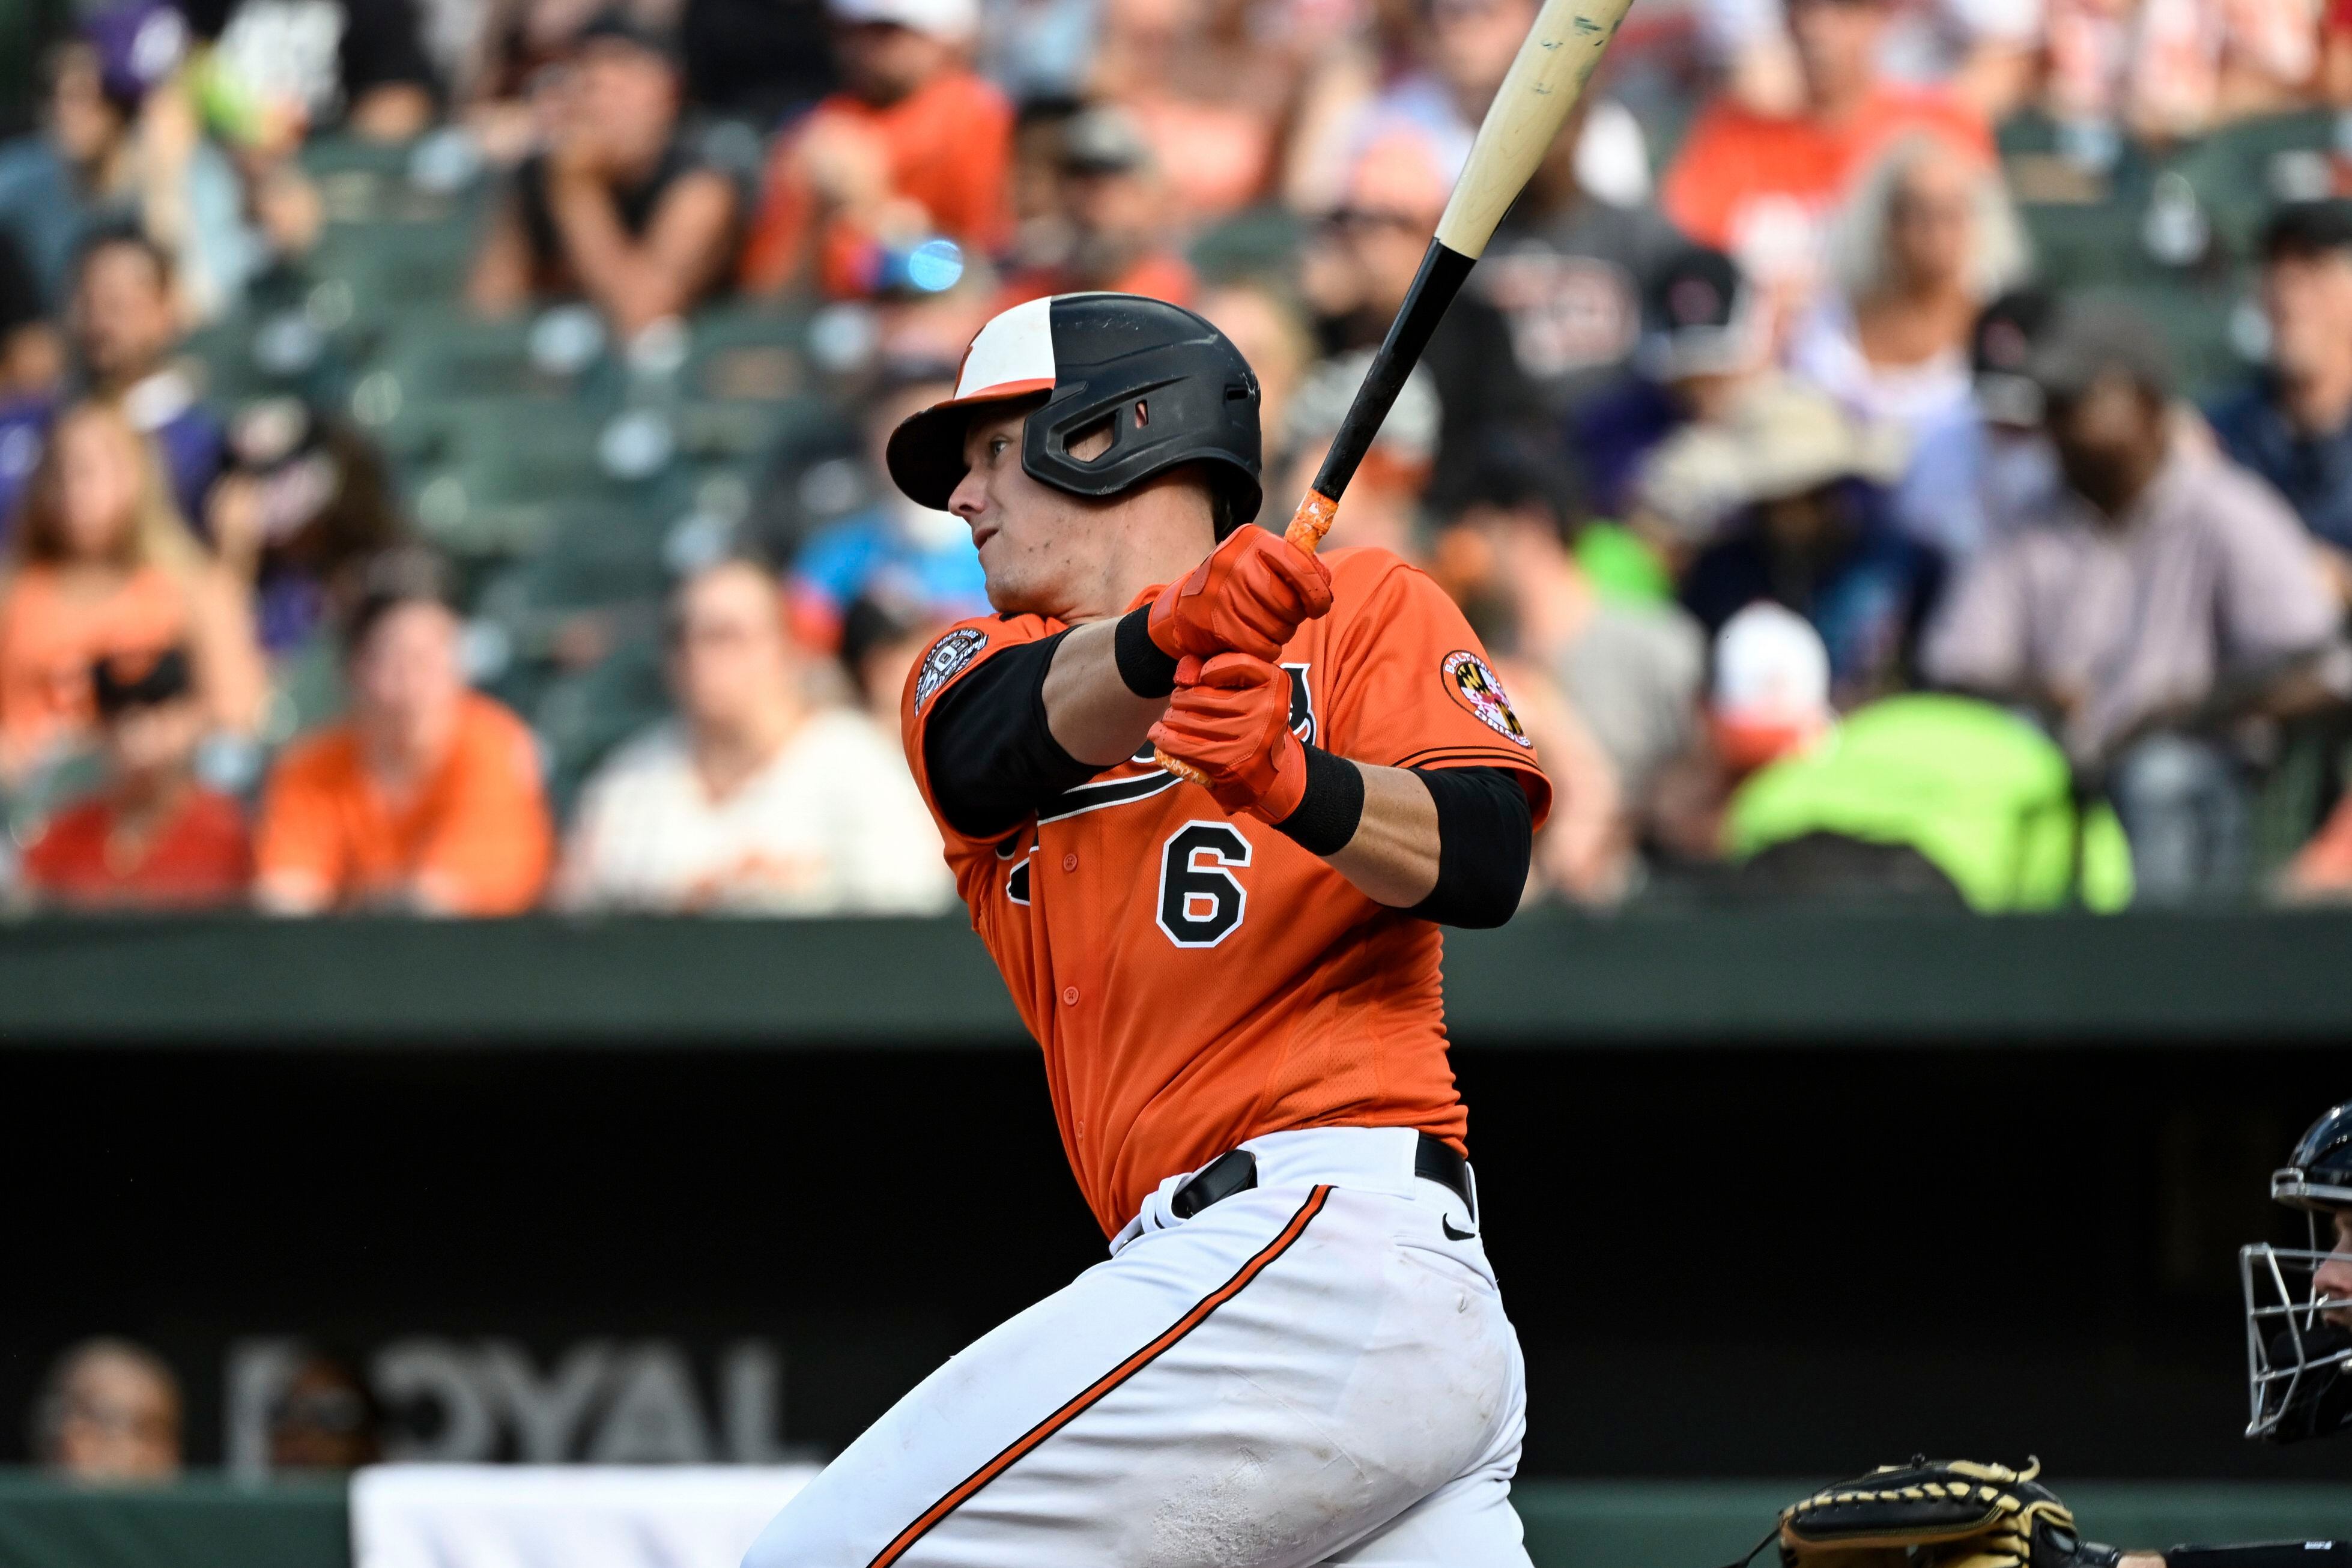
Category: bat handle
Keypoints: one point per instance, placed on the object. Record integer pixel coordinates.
(1182, 770)
(1312, 521)
(1307, 526)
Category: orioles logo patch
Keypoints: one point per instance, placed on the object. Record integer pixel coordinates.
(948, 655)
(1471, 682)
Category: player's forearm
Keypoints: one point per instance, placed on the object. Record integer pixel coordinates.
(1451, 846)
(1394, 857)
(1094, 714)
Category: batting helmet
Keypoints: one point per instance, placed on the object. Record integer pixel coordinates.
(1170, 388)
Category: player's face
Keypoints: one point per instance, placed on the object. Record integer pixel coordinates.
(2332, 1280)
(1045, 552)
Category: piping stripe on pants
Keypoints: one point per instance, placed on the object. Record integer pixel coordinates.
(1095, 1393)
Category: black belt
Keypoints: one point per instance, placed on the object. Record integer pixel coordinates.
(1235, 1170)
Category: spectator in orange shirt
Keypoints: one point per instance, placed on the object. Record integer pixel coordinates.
(1759, 186)
(915, 148)
(1111, 231)
(618, 206)
(151, 837)
(427, 798)
(104, 565)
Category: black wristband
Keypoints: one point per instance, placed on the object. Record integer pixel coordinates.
(1331, 808)
(1148, 671)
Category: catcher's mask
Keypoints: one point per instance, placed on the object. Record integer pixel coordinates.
(1168, 387)
(2299, 1327)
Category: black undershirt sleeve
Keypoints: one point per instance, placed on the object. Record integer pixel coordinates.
(989, 755)
(1486, 837)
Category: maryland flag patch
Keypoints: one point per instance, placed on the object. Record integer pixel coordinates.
(1471, 682)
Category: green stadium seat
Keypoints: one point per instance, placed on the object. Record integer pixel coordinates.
(581, 717)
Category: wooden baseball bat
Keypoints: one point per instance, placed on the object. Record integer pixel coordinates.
(1546, 80)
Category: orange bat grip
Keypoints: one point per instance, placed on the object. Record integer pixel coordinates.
(1307, 526)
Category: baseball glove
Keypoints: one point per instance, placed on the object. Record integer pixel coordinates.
(1948, 1514)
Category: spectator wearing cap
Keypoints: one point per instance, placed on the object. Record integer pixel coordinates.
(1925, 241)
(1978, 471)
(1786, 500)
(151, 837)
(1357, 272)
(427, 797)
(101, 566)
(1109, 228)
(2293, 424)
(620, 206)
(108, 1411)
(1761, 184)
(755, 798)
(914, 148)
(120, 143)
(1706, 342)
(893, 547)
(2163, 595)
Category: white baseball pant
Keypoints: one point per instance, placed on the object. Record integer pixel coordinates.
(1314, 1371)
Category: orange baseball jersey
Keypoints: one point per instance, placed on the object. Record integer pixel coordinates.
(1198, 979)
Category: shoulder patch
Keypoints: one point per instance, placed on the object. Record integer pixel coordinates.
(1471, 682)
(948, 655)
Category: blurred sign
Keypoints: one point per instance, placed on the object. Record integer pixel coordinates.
(600, 1401)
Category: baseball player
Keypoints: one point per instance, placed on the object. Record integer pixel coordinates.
(1295, 1352)
(2299, 1301)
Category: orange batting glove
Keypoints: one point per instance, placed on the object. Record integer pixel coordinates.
(1231, 719)
(1248, 597)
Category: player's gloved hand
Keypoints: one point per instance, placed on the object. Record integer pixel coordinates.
(1231, 719)
(1248, 596)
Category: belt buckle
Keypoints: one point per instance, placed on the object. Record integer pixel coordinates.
(1233, 1171)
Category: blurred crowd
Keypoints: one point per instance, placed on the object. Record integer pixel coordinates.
(1827, 544)
(108, 1412)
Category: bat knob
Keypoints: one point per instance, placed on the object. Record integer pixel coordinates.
(1184, 770)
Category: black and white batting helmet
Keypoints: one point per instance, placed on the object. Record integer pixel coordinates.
(1168, 387)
